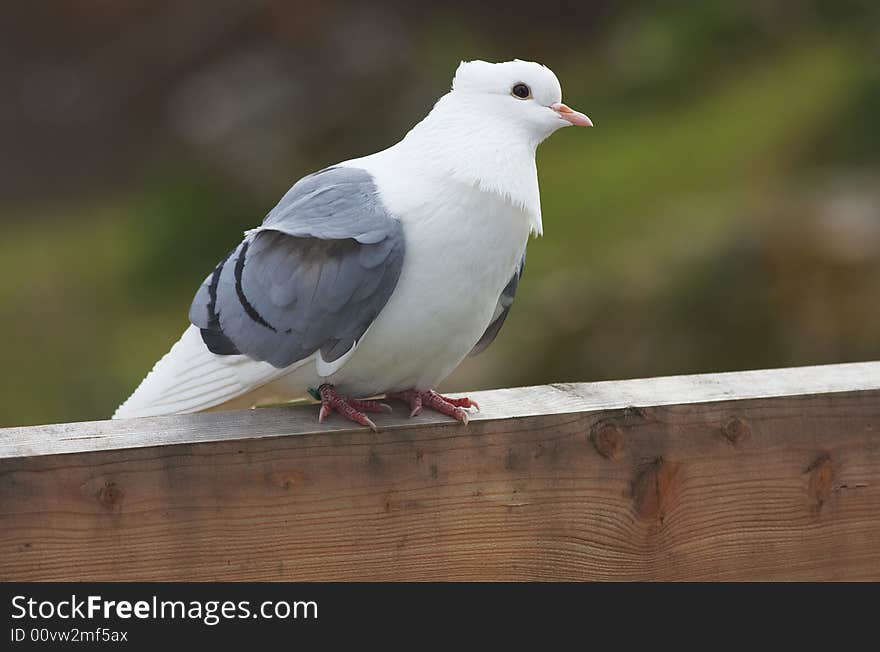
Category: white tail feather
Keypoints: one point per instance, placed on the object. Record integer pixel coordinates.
(189, 378)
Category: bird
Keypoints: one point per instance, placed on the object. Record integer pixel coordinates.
(378, 275)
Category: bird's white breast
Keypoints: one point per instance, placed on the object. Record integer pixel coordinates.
(462, 247)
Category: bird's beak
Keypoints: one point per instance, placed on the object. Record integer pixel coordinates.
(570, 115)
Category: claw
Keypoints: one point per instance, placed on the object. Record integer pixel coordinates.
(412, 397)
(351, 409)
(464, 402)
(416, 406)
(449, 406)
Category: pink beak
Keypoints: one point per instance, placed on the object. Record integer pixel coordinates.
(570, 115)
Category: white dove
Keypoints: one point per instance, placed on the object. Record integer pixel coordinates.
(380, 274)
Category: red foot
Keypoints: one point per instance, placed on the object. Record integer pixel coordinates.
(449, 406)
(351, 409)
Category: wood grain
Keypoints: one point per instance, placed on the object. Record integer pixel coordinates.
(785, 486)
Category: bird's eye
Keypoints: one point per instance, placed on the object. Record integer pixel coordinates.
(521, 91)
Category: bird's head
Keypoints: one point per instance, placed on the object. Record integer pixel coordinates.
(522, 94)
(485, 131)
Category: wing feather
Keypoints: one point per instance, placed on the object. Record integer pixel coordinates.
(312, 277)
(502, 309)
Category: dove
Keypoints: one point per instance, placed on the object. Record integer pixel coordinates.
(378, 275)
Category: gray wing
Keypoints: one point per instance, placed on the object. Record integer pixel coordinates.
(312, 277)
(502, 308)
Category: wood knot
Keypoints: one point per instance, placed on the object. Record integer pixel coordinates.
(287, 480)
(110, 494)
(821, 473)
(736, 431)
(608, 440)
(654, 487)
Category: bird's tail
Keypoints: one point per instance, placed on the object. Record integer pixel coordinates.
(189, 378)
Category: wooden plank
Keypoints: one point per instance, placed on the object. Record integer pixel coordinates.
(763, 475)
(560, 398)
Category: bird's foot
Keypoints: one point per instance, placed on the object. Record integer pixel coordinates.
(453, 407)
(351, 409)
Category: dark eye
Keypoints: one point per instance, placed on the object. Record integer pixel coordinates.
(522, 91)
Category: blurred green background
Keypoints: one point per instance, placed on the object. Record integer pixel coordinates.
(723, 214)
